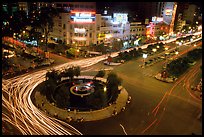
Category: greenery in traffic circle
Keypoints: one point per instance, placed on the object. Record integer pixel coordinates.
(179, 66)
(113, 81)
(58, 91)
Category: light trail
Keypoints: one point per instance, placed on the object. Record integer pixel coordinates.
(184, 78)
(22, 113)
(149, 126)
(19, 111)
(123, 129)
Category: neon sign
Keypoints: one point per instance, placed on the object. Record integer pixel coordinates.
(82, 17)
(78, 30)
(157, 19)
(168, 12)
(120, 17)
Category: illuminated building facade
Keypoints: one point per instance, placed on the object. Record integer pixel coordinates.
(157, 27)
(164, 23)
(137, 29)
(112, 27)
(83, 27)
(75, 24)
(168, 14)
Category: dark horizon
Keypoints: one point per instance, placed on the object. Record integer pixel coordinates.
(140, 10)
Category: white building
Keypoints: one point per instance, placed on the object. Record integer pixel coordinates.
(109, 28)
(75, 24)
(83, 28)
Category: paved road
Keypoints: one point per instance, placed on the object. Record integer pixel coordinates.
(16, 99)
(156, 107)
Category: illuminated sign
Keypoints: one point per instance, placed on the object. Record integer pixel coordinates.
(78, 30)
(108, 36)
(79, 38)
(82, 17)
(120, 17)
(157, 19)
(168, 12)
(83, 20)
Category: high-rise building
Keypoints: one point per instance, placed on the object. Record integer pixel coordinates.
(168, 14)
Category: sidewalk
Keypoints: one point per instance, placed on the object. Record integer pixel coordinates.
(67, 115)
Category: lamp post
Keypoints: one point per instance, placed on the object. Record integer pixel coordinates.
(144, 57)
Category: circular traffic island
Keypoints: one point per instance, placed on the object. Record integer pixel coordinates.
(81, 94)
(83, 98)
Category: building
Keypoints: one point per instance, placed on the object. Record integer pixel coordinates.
(75, 24)
(23, 6)
(189, 13)
(180, 23)
(112, 27)
(79, 25)
(157, 28)
(169, 13)
(137, 29)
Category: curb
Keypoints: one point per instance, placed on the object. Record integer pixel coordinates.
(66, 115)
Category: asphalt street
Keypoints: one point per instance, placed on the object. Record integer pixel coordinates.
(156, 108)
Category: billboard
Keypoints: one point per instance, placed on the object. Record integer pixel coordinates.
(157, 19)
(120, 17)
(79, 30)
(82, 17)
(168, 12)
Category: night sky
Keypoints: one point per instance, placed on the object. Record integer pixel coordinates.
(140, 10)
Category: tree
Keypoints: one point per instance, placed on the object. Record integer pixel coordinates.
(101, 73)
(178, 67)
(62, 97)
(113, 81)
(50, 86)
(45, 22)
(117, 45)
(77, 71)
(71, 72)
(14, 22)
(53, 75)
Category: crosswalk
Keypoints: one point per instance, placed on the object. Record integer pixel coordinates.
(149, 75)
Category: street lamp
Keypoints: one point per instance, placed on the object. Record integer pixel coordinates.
(144, 57)
(166, 56)
(157, 46)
